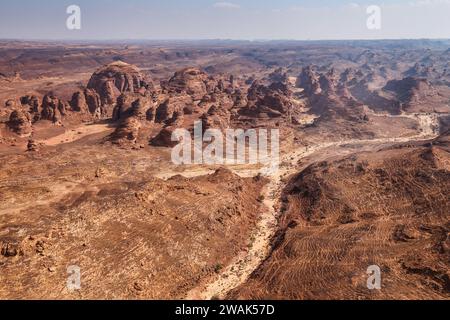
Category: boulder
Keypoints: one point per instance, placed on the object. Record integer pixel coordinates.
(32, 146)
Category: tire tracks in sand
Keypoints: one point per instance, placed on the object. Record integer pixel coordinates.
(243, 265)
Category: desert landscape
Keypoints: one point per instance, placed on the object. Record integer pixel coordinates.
(87, 180)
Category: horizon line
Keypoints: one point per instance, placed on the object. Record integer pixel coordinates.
(218, 39)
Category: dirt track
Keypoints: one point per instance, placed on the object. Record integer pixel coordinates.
(246, 262)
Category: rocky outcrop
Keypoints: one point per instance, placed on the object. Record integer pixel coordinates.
(10, 249)
(94, 103)
(274, 103)
(136, 105)
(278, 75)
(143, 109)
(10, 104)
(20, 122)
(166, 110)
(191, 81)
(410, 89)
(328, 85)
(132, 111)
(32, 102)
(418, 95)
(256, 91)
(239, 98)
(423, 71)
(191, 92)
(216, 118)
(268, 101)
(328, 94)
(127, 132)
(87, 102)
(329, 82)
(52, 108)
(116, 78)
(309, 81)
(164, 137)
(32, 146)
(177, 119)
(78, 102)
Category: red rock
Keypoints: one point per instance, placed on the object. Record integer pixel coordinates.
(116, 78)
(78, 102)
(52, 108)
(171, 105)
(164, 138)
(189, 80)
(309, 81)
(20, 122)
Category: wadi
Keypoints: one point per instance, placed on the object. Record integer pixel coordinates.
(104, 186)
(229, 147)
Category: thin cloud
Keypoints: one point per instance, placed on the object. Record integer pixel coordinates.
(423, 3)
(353, 5)
(226, 5)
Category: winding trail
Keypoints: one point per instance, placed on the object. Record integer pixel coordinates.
(238, 271)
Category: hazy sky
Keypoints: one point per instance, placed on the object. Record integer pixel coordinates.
(234, 19)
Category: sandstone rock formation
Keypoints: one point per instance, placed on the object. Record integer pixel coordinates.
(268, 101)
(309, 81)
(52, 108)
(414, 94)
(136, 105)
(177, 103)
(32, 146)
(191, 81)
(164, 137)
(216, 118)
(32, 102)
(132, 111)
(278, 75)
(10, 104)
(106, 87)
(127, 132)
(78, 102)
(410, 90)
(116, 78)
(94, 103)
(87, 101)
(20, 122)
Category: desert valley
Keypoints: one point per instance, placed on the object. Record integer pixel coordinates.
(87, 180)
